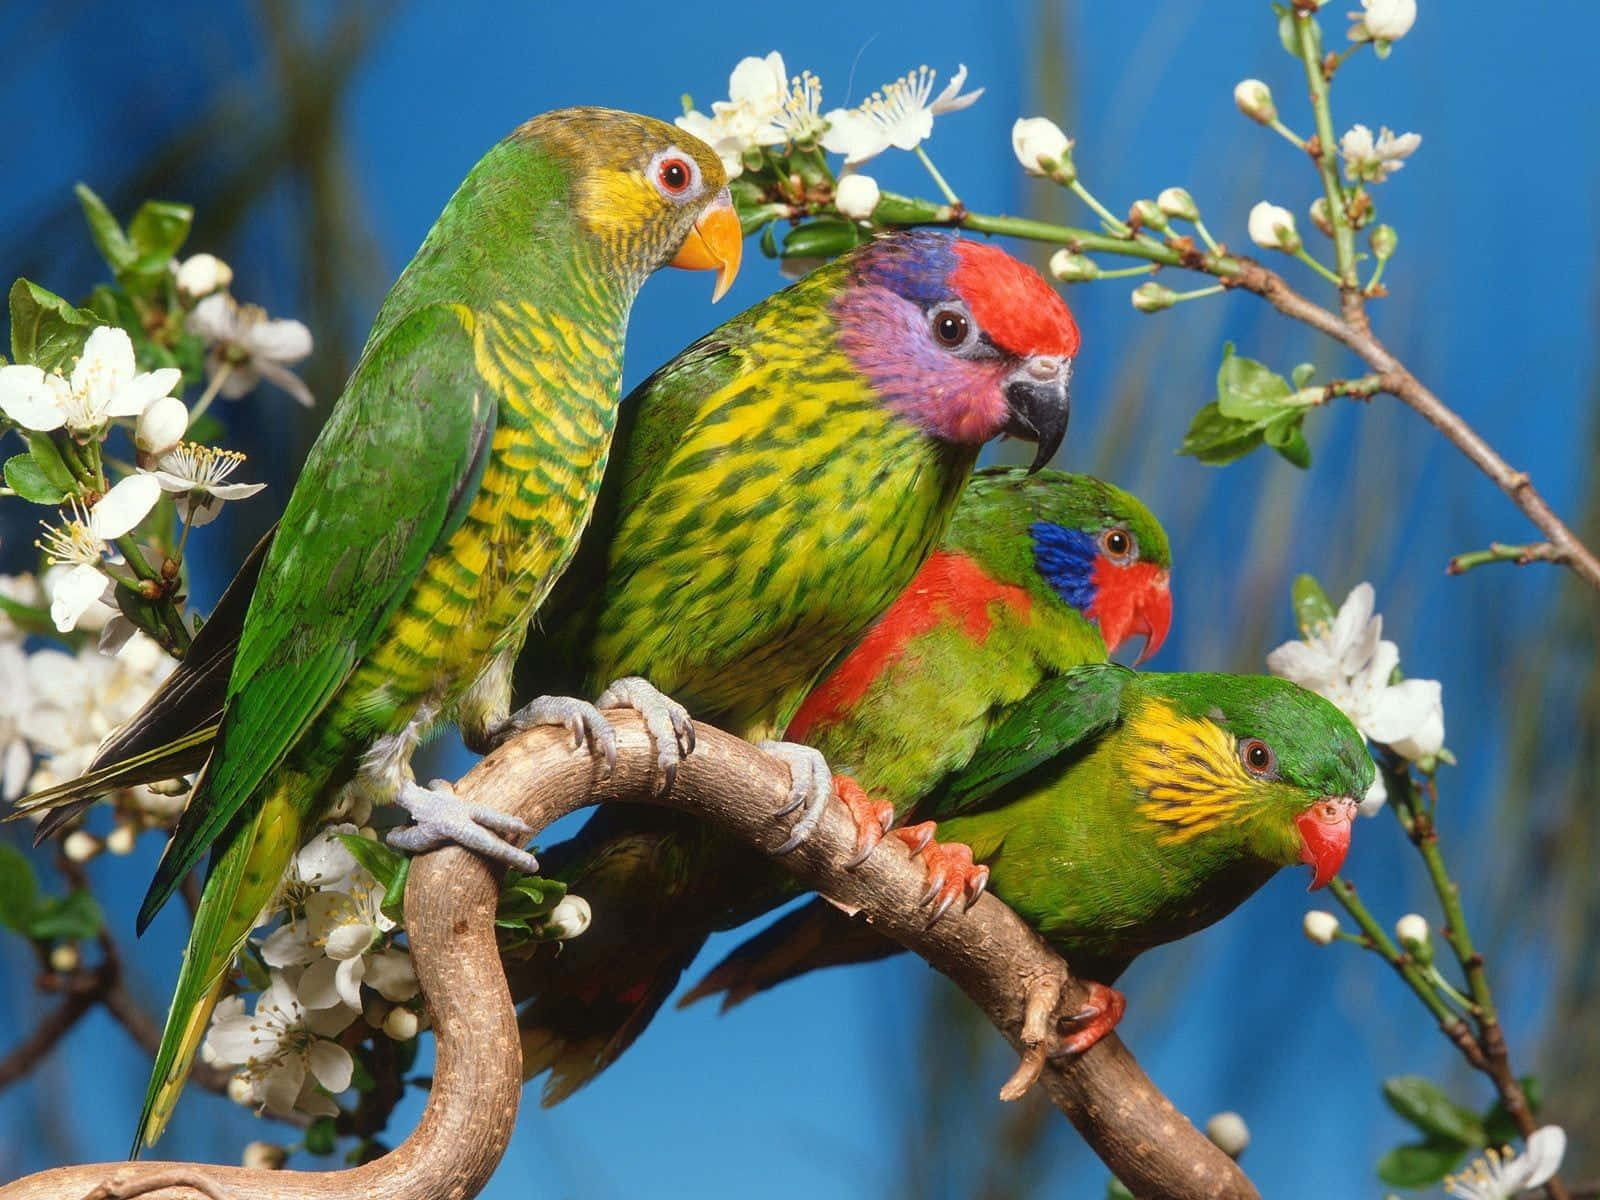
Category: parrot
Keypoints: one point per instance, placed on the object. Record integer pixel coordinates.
(1037, 573)
(1116, 811)
(441, 501)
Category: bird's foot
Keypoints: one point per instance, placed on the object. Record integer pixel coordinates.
(1101, 1011)
(581, 719)
(666, 720)
(810, 786)
(443, 818)
(872, 817)
(951, 872)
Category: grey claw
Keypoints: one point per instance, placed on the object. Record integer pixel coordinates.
(443, 818)
(944, 907)
(667, 722)
(810, 785)
(578, 717)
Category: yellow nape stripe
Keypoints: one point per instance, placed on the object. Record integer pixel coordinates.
(1188, 769)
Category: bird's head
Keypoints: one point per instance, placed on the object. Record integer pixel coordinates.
(1277, 767)
(651, 193)
(1100, 551)
(959, 338)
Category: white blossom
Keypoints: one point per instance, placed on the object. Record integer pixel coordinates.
(1272, 228)
(77, 550)
(1320, 926)
(800, 119)
(196, 475)
(856, 196)
(1373, 161)
(252, 345)
(284, 1049)
(105, 384)
(401, 1024)
(201, 274)
(1228, 1133)
(1040, 145)
(756, 113)
(901, 115)
(1254, 100)
(161, 426)
(569, 918)
(1383, 20)
(1177, 203)
(1073, 268)
(1348, 662)
(1411, 929)
(16, 756)
(23, 590)
(1500, 1175)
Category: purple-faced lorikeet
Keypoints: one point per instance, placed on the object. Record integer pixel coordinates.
(442, 500)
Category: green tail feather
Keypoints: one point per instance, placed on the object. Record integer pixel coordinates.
(243, 879)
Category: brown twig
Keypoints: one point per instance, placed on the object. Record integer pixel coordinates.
(450, 906)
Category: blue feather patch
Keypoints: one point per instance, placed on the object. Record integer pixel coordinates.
(1066, 558)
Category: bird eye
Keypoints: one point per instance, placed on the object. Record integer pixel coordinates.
(1117, 543)
(1257, 756)
(950, 327)
(675, 174)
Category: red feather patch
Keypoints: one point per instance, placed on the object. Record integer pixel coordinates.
(1013, 303)
(950, 588)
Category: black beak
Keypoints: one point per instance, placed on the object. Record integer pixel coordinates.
(1036, 394)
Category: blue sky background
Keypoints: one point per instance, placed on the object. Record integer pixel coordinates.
(816, 1087)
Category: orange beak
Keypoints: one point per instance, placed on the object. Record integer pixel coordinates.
(1325, 837)
(716, 243)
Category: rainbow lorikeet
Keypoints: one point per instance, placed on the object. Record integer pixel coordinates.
(1117, 811)
(438, 506)
(1034, 575)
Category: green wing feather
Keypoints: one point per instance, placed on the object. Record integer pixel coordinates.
(419, 419)
(1060, 715)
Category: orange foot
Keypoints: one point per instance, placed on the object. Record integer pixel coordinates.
(872, 817)
(1099, 1016)
(951, 871)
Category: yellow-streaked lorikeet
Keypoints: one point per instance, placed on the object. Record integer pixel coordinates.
(438, 506)
(1028, 569)
(1116, 811)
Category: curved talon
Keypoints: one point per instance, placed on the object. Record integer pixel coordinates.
(951, 872)
(589, 729)
(872, 817)
(670, 727)
(810, 785)
(1099, 1016)
(442, 818)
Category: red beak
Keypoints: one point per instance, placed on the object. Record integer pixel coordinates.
(1325, 837)
(1153, 613)
(1135, 599)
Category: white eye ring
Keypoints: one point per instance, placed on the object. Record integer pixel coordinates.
(954, 316)
(663, 162)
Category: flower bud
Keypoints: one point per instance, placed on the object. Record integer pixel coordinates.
(1153, 297)
(569, 918)
(1228, 1133)
(1412, 930)
(1320, 926)
(1319, 216)
(1273, 228)
(1254, 99)
(1383, 240)
(202, 274)
(80, 846)
(856, 196)
(1073, 268)
(1384, 20)
(120, 840)
(64, 958)
(401, 1024)
(1178, 204)
(161, 426)
(240, 1091)
(263, 1156)
(1148, 213)
(1042, 148)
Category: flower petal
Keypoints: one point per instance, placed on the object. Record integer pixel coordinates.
(142, 391)
(331, 1064)
(281, 341)
(33, 399)
(127, 503)
(72, 592)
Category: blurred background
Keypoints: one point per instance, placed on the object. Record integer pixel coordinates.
(318, 141)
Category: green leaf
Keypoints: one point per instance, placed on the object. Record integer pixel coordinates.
(1302, 375)
(1420, 1164)
(157, 231)
(19, 889)
(321, 1136)
(254, 968)
(1498, 1127)
(27, 479)
(48, 456)
(45, 329)
(1286, 437)
(68, 918)
(383, 862)
(526, 899)
(360, 1078)
(1312, 608)
(112, 243)
(1216, 439)
(1247, 390)
(394, 894)
(1421, 1102)
(769, 239)
(823, 238)
(1117, 1190)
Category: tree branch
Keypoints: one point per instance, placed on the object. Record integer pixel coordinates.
(450, 906)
